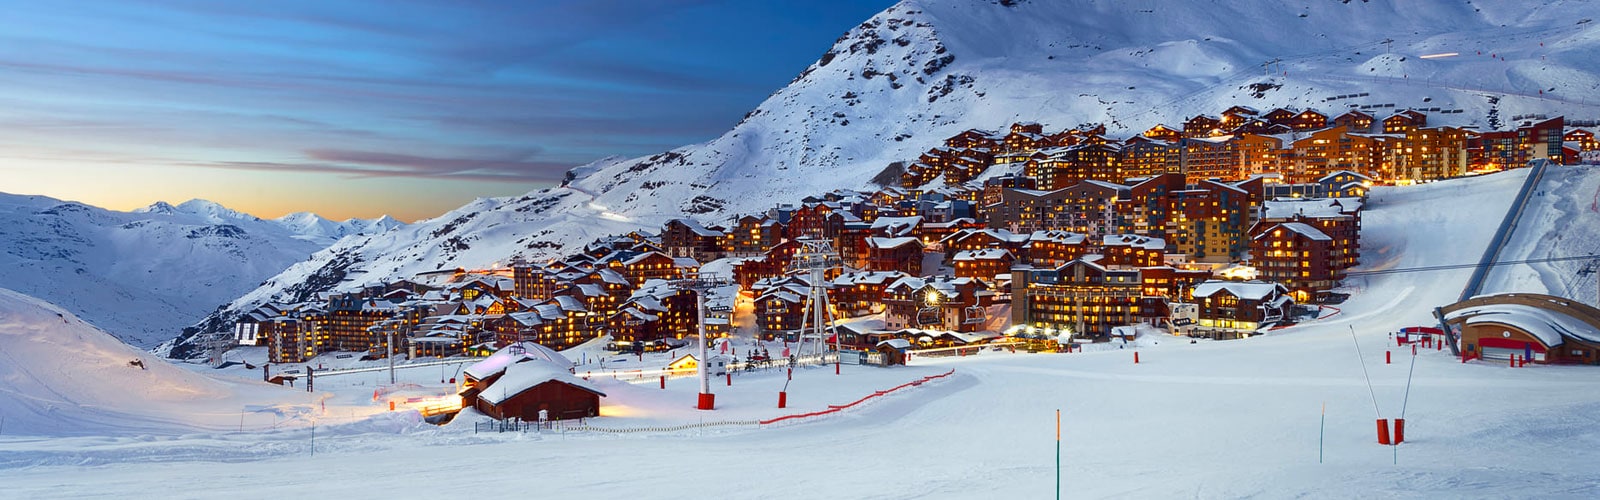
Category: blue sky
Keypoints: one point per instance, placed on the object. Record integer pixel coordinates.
(359, 108)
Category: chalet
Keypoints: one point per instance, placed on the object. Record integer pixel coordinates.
(974, 138)
(1163, 133)
(1080, 296)
(1535, 327)
(1356, 121)
(953, 304)
(1024, 137)
(1259, 126)
(1236, 116)
(902, 254)
(1202, 126)
(1280, 116)
(1233, 309)
(479, 376)
(780, 310)
(1404, 121)
(643, 267)
(978, 239)
(896, 227)
(1344, 184)
(774, 263)
(1338, 218)
(1298, 255)
(1583, 138)
(861, 293)
(561, 322)
(687, 238)
(932, 233)
(1131, 250)
(983, 263)
(753, 235)
(657, 310)
(1051, 249)
(1309, 119)
(528, 388)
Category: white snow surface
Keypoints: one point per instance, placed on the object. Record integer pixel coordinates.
(60, 376)
(924, 70)
(1211, 419)
(142, 275)
(1559, 223)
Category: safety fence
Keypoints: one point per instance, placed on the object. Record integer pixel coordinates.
(837, 408)
(582, 425)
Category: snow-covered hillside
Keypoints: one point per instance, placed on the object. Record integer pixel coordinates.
(60, 376)
(142, 275)
(923, 70)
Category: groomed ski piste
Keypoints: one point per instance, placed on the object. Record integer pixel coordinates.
(1204, 419)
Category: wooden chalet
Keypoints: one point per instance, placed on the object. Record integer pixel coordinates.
(1234, 309)
(985, 263)
(903, 254)
(1131, 250)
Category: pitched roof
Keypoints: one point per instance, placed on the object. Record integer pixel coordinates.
(512, 354)
(520, 377)
(1249, 290)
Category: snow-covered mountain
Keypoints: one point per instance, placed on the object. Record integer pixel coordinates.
(304, 225)
(923, 70)
(143, 275)
(317, 228)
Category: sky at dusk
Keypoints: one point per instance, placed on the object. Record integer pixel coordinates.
(361, 108)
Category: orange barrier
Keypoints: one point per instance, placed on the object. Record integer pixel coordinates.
(836, 408)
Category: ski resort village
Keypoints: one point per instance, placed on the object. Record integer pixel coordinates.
(977, 249)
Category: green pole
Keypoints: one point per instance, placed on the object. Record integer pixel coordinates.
(1322, 430)
(1058, 454)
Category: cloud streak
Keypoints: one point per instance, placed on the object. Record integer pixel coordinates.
(417, 89)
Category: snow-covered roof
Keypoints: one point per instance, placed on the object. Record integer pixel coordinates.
(514, 354)
(877, 242)
(1057, 236)
(1305, 230)
(896, 343)
(1135, 241)
(1548, 325)
(1284, 208)
(520, 377)
(1248, 290)
(982, 254)
(699, 230)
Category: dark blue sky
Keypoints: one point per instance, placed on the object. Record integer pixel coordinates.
(356, 108)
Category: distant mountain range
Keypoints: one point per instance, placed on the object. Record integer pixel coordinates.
(144, 275)
(923, 70)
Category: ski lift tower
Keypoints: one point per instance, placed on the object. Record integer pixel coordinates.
(701, 283)
(816, 257)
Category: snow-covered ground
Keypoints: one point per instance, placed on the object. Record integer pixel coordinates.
(1206, 419)
(1556, 226)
